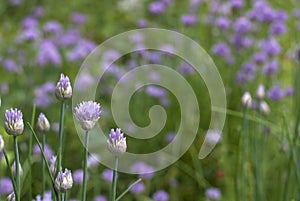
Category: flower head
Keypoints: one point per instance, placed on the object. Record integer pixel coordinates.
(63, 88)
(116, 142)
(43, 124)
(213, 194)
(6, 186)
(64, 181)
(161, 196)
(246, 100)
(87, 113)
(11, 197)
(14, 122)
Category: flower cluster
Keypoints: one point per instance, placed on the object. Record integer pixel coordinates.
(63, 88)
(64, 181)
(87, 113)
(14, 122)
(117, 142)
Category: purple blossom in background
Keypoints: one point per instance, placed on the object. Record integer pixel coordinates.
(186, 69)
(213, 137)
(144, 170)
(170, 137)
(278, 28)
(280, 16)
(29, 23)
(288, 92)
(160, 196)
(241, 42)
(11, 65)
(242, 25)
(167, 2)
(189, 20)
(213, 194)
(100, 198)
(30, 34)
(223, 23)
(81, 50)
(70, 38)
(4, 88)
(237, 4)
(157, 8)
(153, 57)
(262, 12)
(47, 150)
(259, 58)
(6, 186)
(275, 93)
(107, 175)
(271, 47)
(168, 50)
(15, 2)
(249, 68)
(38, 12)
(93, 160)
(43, 94)
(194, 5)
(78, 18)
(84, 81)
(78, 177)
(221, 49)
(296, 13)
(155, 91)
(271, 68)
(142, 23)
(138, 188)
(53, 27)
(48, 54)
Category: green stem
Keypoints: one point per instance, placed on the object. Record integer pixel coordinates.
(44, 158)
(114, 182)
(128, 189)
(43, 166)
(29, 154)
(17, 162)
(11, 175)
(86, 143)
(60, 134)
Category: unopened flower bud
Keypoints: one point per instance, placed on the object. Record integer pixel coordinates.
(13, 169)
(117, 142)
(14, 122)
(246, 100)
(11, 197)
(63, 88)
(87, 113)
(64, 181)
(53, 164)
(43, 124)
(264, 108)
(260, 93)
(1, 143)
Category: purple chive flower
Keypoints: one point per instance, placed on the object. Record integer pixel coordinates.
(107, 175)
(223, 23)
(213, 136)
(6, 186)
(29, 22)
(275, 93)
(100, 198)
(296, 13)
(288, 92)
(47, 150)
(160, 196)
(53, 27)
(15, 2)
(241, 42)
(28, 35)
(42, 94)
(11, 197)
(63, 88)
(78, 177)
(84, 81)
(64, 181)
(81, 50)
(11, 65)
(144, 170)
(43, 124)
(237, 4)
(221, 49)
(157, 8)
(278, 28)
(242, 25)
(52, 164)
(271, 47)
(14, 122)
(271, 68)
(70, 38)
(78, 18)
(153, 57)
(87, 113)
(249, 68)
(280, 16)
(48, 54)
(189, 20)
(247, 100)
(213, 194)
(138, 188)
(142, 23)
(117, 142)
(262, 12)
(259, 58)
(155, 91)
(38, 12)
(170, 137)
(4, 88)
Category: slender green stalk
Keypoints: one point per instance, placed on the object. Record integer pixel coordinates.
(60, 134)
(44, 158)
(128, 189)
(86, 144)
(114, 182)
(29, 154)
(11, 175)
(17, 162)
(43, 166)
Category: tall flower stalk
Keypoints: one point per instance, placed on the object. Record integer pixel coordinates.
(87, 114)
(14, 126)
(116, 144)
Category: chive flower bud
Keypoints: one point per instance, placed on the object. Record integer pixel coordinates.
(63, 88)
(11, 197)
(246, 100)
(87, 113)
(64, 181)
(14, 122)
(43, 124)
(117, 142)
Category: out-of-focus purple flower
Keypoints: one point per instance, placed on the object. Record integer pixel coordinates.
(194, 5)
(278, 28)
(53, 27)
(237, 4)
(142, 23)
(107, 175)
(47, 150)
(157, 8)
(280, 16)
(271, 47)
(144, 170)
(29, 22)
(87, 113)
(111, 55)
(4, 88)
(93, 161)
(262, 12)
(70, 38)
(42, 94)
(160, 196)
(138, 188)
(30, 34)
(100, 198)
(275, 93)
(81, 50)
(243, 78)
(241, 42)
(63, 89)
(242, 25)
(186, 69)
(154, 77)
(11, 65)
(6, 186)
(153, 57)
(296, 13)
(223, 23)
(221, 49)
(168, 49)
(260, 58)
(116, 142)
(48, 54)
(155, 91)
(213, 136)
(288, 92)
(38, 12)
(189, 20)
(84, 81)
(78, 177)
(249, 68)
(14, 124)
(15, 2)
(170, 137)
(271, 68)
(78, 18)
(213, 194)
